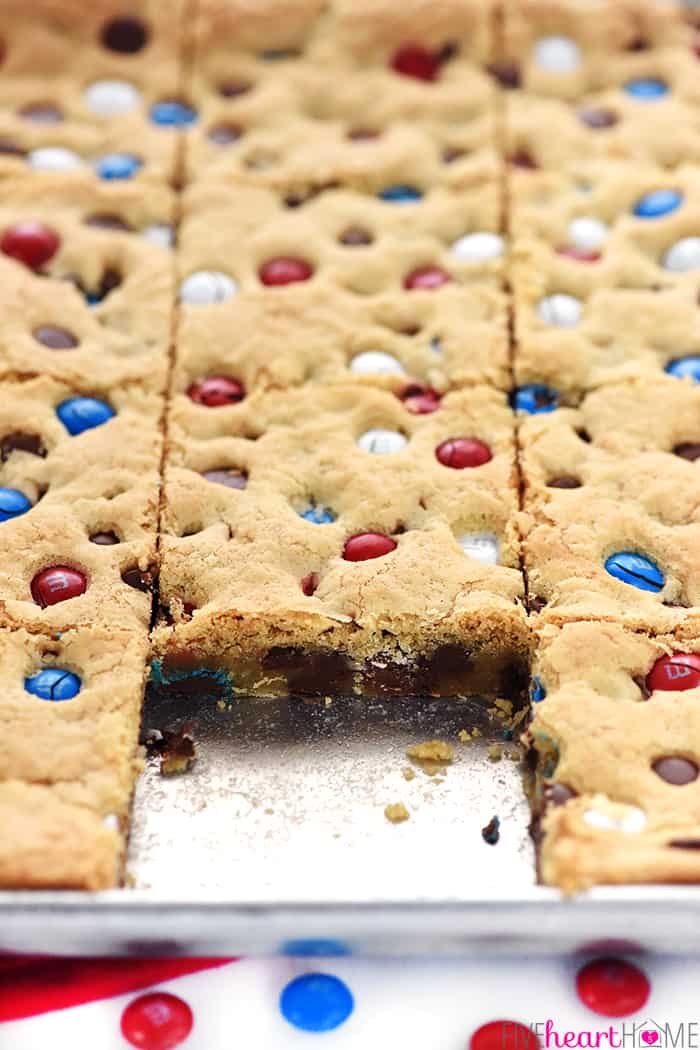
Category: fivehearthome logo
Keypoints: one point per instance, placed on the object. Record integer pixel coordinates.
(650, 1034)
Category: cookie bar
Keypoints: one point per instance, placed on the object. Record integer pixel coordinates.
(610, 521)
(87, 283)
(286, 88)
(78, 503)
(615, 794)
(326, 539)
(70, 713)
(346, 286)
(604, 281)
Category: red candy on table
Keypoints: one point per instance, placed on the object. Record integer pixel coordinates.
(427, 279)
(216, 391)
(579, 254)
(57, 584)
(462, 452)
(158, 1021)
(612, 987)
(30, 243)
(417, 62)
(367, 545)
(420, 399)
(286, 270)
(675, 673)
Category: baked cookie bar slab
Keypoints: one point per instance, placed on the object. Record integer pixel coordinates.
(70, 714)
(604, 276)
(288, 87)
(611, 491)
(79, 500)
(88, 283)
(345, 285)
(326, 538)
(616, 745)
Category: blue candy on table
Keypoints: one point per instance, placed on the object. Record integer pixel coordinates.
(685, 367)
(646, 89)
(13, 503)
(636, 570)
(316, 1002)
(53, 683)
(537, 690)
(115, 166)
(658, 203)
(173, 114)
(401, 194)
(83, 413)
(534, 398)
(318, 515)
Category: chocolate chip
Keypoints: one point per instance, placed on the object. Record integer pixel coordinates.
(522, 159)
(295, 200)
(583, 435)
(55, 338)
(689, 450)
(11, 149)
(21, 442)
(492, 832)
(224, 134)
(355, 236)
(108, 222)
(675, 770)
(566, 481)
(536, 604)
(104, 539)
(126, 35)
(597, 118)
(234, 88)
(42, 113)
(311, 673)
(140, 581)
(685, 844)
(232, 479)
(452, 153)
(641, 683)
(363, 134)
(506, 73)
(447, 52)
(558, 794)
(638, 44)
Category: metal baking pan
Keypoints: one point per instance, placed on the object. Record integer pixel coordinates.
(276, 841)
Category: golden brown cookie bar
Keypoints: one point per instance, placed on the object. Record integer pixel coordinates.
(70, 714)
(87, 283)
(287, 94)
(615, 793)
(330, 521)
(80, 490)
(604, 275)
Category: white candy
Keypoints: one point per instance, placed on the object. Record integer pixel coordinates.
(54, 158)
(207, 286)
(557, 54)
(111, 822)
(631, 820)
(482, 546)
(111, 98)
(161, 234)
(587, 233)
(376, 362)
(478, 247)
(562, 311)
(382, 442)
(683, 256)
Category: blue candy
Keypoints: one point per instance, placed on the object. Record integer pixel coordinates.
(658, 203)
(683, 367)
(53, 683)
(646, 89)
(537, 690)
(318, 515)
(316, 1002)
(534, 398)
(172, 114)
(12, 504)
(83, 413)
(400, 194)
(115, 166)
(636, 570)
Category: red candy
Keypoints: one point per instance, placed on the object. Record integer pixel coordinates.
(427, 279)
(673, 674)
(285, 270)
(504, 1035)
(579, 254)
(417, 62)
(420, 399)
(30, 243)
(612, 987)
(157, 1022)
(57, 584)
(368, 545)
(216, 391)
(309, 584)
(459, 453)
